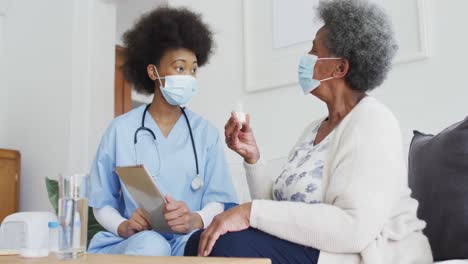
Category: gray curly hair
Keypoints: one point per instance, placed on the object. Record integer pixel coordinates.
(361, 32)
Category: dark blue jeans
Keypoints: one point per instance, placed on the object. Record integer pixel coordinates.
(253, 243)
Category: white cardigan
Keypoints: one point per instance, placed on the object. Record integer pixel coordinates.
(367, 215)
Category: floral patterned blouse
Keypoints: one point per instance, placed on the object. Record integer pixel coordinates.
(301, 179)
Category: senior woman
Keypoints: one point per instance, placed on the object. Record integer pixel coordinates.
(342, 196)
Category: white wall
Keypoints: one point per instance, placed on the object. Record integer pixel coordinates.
(60, 57)
(432, 94)
(38, 52)
(3, 88)
(426, 95)
(129, 10)
(101, 89)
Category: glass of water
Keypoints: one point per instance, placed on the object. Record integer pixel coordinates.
(72, 215)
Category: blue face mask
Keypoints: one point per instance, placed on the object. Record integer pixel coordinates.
(177, 89)
(306, 72)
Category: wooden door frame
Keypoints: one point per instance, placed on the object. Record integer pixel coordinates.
(123, 89)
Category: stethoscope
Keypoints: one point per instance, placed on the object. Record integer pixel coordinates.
(197, 181)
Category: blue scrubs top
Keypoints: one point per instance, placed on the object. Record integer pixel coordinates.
(173, 171)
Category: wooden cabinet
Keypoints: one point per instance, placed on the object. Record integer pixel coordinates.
(9, 182)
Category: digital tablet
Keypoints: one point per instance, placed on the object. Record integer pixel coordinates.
(146, 194)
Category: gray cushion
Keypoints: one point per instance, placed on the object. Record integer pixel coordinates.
(438, 177)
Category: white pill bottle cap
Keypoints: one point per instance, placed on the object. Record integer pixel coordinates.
(239, 112)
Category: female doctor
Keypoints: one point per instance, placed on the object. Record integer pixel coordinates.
(181, 150)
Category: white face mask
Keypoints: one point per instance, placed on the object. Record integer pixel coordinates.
(178, 89)
(306, 72)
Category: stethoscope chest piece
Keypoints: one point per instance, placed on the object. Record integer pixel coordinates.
(197, 183)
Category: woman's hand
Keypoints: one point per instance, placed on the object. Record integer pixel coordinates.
(179, 217)
(137, 222)
(240, 138)
(232, 220)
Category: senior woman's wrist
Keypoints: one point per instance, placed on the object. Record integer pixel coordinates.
(253, 159)
(246, 208)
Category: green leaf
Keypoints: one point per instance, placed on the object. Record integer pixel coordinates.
(52, 191)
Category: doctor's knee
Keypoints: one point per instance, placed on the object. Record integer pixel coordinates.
(148, 243)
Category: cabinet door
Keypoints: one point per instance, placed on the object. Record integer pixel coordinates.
(9, 182)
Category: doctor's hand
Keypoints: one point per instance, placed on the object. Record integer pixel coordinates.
(240, 138)
(179, 217)
(232, 220)
(137, 222)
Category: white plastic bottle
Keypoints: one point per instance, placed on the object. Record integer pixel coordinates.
(53, 236)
